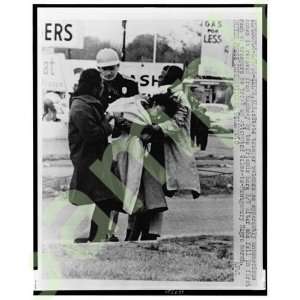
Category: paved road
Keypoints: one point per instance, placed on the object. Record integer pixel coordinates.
(209, 214)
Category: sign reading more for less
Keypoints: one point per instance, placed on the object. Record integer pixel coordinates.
(62, 34)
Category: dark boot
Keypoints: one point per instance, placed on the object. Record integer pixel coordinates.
(81, 240)
(128, 232)
(132, 235)
(113, 238)
(149, 236)
(134, 228)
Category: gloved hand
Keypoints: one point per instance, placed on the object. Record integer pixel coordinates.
(145, 138)
(152, 132)
(145, 100)
(108, 116)
(122, 123)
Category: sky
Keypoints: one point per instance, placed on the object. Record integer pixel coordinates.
(173, 30)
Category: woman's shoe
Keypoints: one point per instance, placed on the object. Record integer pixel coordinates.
(81, 240)
(112, 238)
(84, 240)
(149, 236)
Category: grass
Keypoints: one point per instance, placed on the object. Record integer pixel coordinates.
(204, 259)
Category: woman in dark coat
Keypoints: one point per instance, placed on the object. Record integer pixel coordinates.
(88, 139)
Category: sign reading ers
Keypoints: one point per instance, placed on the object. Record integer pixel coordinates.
(62, 34)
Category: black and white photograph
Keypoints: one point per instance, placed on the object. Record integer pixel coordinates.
(149, 149)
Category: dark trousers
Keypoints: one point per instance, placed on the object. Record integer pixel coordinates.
(200, 131)
(99, 229)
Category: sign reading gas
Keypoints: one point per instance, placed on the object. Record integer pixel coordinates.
(212, 32)
(63, 34)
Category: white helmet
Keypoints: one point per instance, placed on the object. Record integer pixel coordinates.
(107, 57)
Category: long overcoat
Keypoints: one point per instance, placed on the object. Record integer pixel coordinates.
(88, 141)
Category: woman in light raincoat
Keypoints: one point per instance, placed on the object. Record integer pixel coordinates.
(169, 167)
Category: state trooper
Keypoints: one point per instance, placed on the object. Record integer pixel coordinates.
(116, 85)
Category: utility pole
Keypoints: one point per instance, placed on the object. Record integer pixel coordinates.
(154, 46)
(124, 40)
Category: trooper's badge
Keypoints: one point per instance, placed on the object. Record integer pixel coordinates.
(124, 90)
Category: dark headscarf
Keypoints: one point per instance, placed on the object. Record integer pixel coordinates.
(88, 81)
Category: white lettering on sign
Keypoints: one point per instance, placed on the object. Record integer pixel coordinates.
(63, 34)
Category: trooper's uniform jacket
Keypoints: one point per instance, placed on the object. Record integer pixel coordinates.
(121, 86)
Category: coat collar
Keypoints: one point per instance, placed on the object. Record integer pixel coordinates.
(91, 100)
(163, 89)
(176, 91)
